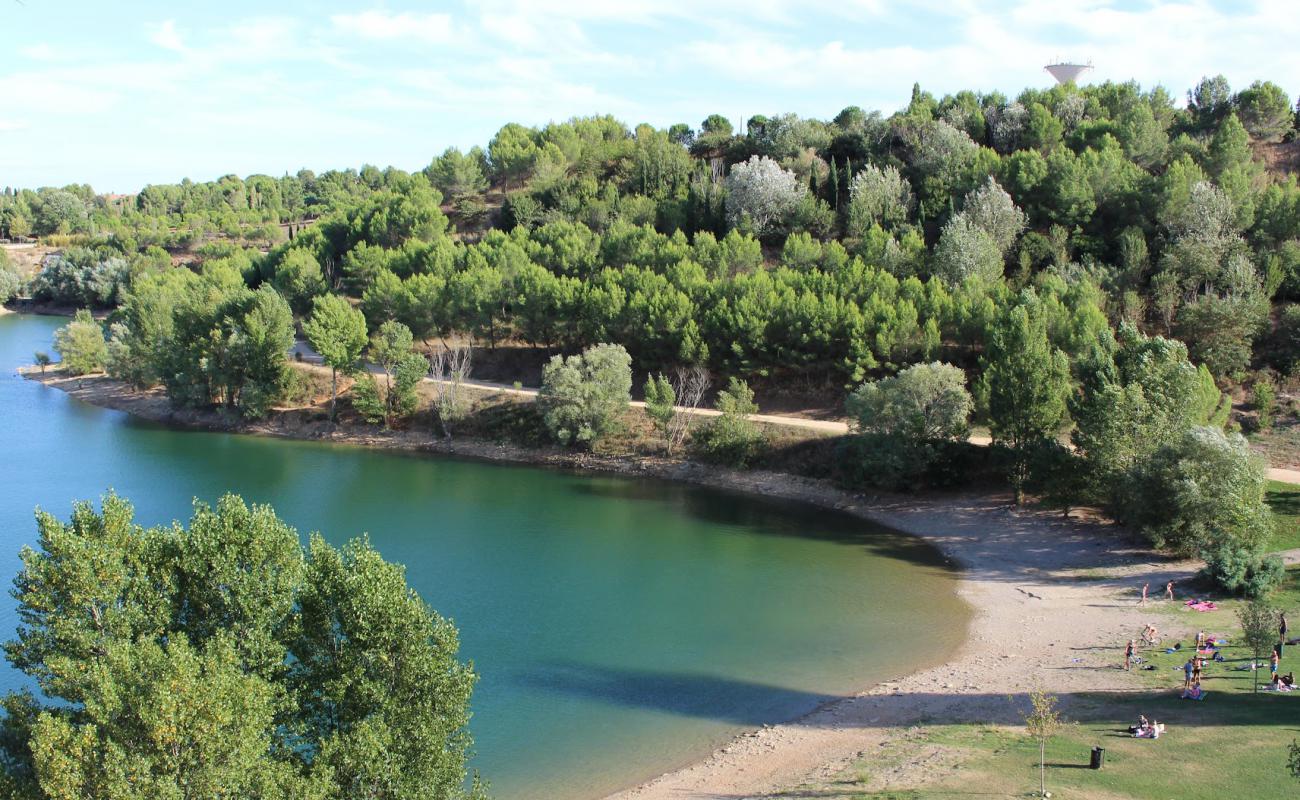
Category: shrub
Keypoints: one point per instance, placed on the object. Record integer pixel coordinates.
(82, 277)
(905, 420)
(1203, 491)
(80, 345)
(1264, 399)
(10, 280)
(731, 437)
(583, 396)
(1241, 571)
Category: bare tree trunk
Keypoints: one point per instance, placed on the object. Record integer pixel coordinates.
(689, 386)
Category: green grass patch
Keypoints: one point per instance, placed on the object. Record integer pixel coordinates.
(1284, 499)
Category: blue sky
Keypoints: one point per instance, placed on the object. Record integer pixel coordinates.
(122, 93)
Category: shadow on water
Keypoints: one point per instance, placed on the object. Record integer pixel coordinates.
(771, 517)
(685, 694)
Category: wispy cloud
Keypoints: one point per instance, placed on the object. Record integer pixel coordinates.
(387, 26)
(395, 81)
(167, 37)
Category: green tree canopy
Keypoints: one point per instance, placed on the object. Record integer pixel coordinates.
(218, 661)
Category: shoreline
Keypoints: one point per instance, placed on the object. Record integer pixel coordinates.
(1019, 569)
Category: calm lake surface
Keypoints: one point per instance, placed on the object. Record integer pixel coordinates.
(621, 627)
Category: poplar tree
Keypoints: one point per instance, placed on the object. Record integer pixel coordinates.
(1027, 380)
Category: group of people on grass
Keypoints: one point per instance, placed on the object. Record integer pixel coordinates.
(1206, 647)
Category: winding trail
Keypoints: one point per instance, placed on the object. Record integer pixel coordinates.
(303, 352)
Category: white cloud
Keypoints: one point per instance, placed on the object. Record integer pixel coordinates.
(38, 52)
(167, 37)
(385, 26)
(8, 125)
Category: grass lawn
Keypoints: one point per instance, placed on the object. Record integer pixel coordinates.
(1284, 499)
(1232, 744)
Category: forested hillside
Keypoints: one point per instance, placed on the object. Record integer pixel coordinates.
(1098, 263)
(827, 248)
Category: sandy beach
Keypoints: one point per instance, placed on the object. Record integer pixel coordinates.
(1054, 601)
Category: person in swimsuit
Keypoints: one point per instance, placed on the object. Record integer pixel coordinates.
(1128, 655)
(1188, 669)
(1169, 590)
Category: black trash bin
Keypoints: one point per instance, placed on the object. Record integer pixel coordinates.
(1098, 757)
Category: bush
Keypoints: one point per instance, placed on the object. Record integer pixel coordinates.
(10, 280)
(81, 277)
(80, 345)
(1243, 572)
(925, 402)
(583, 396)
(1264, 399)
(731, 438)
(1202, 492)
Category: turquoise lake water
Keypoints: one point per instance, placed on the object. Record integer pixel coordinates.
(621, 627)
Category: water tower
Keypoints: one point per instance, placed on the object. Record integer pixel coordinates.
(1067, 73)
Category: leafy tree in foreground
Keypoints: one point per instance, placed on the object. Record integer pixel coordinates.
(80, 345)
(1027, 380)
(338, 332)
(583, 396)
(219, 661)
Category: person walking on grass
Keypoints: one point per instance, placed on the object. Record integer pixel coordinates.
(1281, 630)
(1169, 590)
(1128, 655)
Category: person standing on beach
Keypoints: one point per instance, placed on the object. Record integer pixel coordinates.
(1169, 590)
(1146, 587)
(1128, 655)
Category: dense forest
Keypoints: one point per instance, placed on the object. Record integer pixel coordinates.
(1097, 261)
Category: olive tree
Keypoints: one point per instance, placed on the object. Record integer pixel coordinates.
(923, 403)
(878, 196)
(965, 250)
(762, 195)
(10, 280)
(992, 210)
(80, 345)
(583, 396)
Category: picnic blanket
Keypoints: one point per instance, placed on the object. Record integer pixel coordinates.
(1201, 605)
